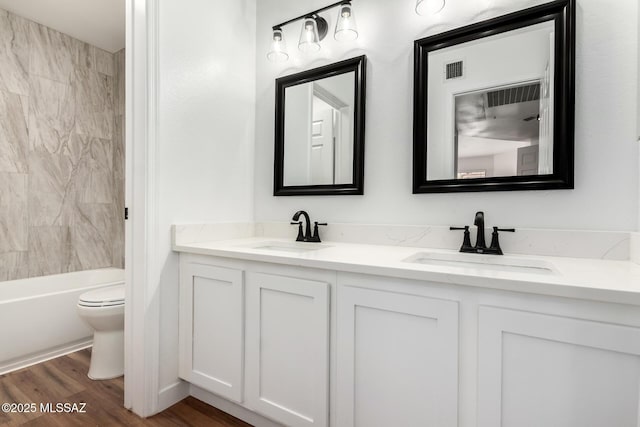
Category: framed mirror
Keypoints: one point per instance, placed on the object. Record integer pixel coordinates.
(319, 130)
(494, 104)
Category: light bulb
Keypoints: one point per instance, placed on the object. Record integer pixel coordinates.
(278, 51)
(429, 7)
(309, 38)
(346, 29)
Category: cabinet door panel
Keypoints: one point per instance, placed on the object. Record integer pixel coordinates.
(542, 370)
(397, 359)
(287, 348)
(211, 329)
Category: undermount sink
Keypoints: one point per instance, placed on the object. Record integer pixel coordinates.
(294, 247)
(484, 262)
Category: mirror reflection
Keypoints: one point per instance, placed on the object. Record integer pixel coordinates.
(319, 131)
(490, 106)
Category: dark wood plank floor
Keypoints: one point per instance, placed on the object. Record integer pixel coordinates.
(64, 380)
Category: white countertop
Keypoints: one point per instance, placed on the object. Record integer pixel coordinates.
(591, 279)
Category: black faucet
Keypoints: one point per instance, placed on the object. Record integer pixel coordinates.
(480, 246)
(479, 222)
(306, 236)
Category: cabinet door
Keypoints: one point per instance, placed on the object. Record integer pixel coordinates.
(542, 370)
(211, 328)
(397, 359)
(288, 349)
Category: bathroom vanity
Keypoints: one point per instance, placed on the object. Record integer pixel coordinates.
(346, 334)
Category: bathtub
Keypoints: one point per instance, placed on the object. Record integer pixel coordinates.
(38, 316)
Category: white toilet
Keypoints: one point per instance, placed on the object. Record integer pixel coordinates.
(103, 310)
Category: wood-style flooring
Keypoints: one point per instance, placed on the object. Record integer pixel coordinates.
(64, 380)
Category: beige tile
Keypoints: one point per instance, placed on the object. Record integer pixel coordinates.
(51, 54)
(95, 173)
(13, 213)
(86, 56)
(118, 246)
(104, 62)
(119, 163)
(49, 250)
(52, 192)
(118, 192)
(14, 141)
(14, 265)
(92, 237)
(61, 152)
(14, 53)
(119, 83)
(52, 111)
(94, 100)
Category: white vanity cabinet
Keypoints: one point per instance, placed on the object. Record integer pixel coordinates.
(212, 327)
(312, 346)
(257, 335)
(415, 353)
(397, 357)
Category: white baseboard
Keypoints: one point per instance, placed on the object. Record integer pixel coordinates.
(231, 408)
(34, 359)
(172, 394)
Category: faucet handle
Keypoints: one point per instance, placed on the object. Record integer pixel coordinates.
(466, 241)
(495, 243)
(316, 234)
(300, 237)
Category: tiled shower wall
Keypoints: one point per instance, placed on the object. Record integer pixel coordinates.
(61, 152)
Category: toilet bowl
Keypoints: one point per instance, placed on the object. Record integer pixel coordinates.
(103, 310)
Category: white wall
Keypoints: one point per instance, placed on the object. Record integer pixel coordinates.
(606, 176)
(206, 133)
(638, 101)
(506, 164)
(477, 163)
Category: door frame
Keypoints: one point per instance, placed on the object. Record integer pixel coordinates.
(142, 311)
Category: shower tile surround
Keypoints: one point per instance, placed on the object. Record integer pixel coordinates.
(61, 152)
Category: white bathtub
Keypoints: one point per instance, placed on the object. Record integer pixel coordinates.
(38, 316)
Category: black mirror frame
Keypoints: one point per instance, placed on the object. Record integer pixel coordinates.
(562, 12)
(358, 65)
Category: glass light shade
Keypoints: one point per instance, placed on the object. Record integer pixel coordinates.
(278, 51)
(309, 38)
(429, 7)
(346, 29)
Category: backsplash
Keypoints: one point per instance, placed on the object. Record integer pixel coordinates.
(607, 245)
(61, 152)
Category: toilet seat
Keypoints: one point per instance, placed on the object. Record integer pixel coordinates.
(110, 296)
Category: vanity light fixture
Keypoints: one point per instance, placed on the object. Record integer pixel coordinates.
(346, 29)
(429, 7)
(314, 29)
(278, 51)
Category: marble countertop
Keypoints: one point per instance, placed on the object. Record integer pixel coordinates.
(591, 279)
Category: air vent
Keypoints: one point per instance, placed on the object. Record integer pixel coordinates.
(514, 95)
(454, 70)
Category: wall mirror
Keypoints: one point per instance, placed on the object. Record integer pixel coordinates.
(319, 130)
(494, 104)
